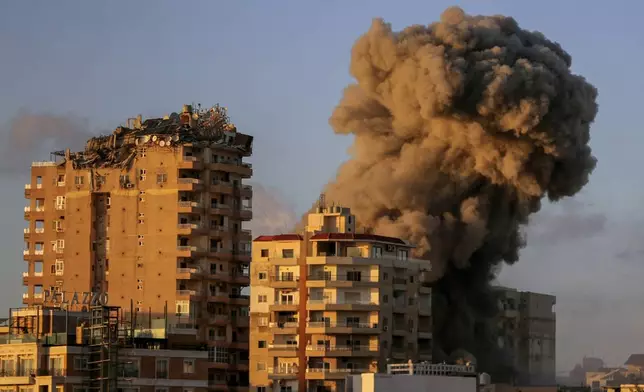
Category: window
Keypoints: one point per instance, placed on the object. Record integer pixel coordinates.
(261, 366)
(100, 180)
(142, 174)
(262, 299)
(261, 344)
(61, 180)
(376, 252)
(59, 267)
(264, 253)
(403, 254)
(261, 389)
(142, 153)
(60, 202)
(141, 196)
(288, 253)
(130, 368)
(79, 180)
(141, 240)
(354, 276)
(139, 284)
(80, 363)
(162, 178)
(60, 245)
(162, 368)
(218, 354)
(188, 366)
(262, 276)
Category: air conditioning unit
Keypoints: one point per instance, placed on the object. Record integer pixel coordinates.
(129, 185)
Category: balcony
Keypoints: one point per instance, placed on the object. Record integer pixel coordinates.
(26, 232)
(218, 231)
(337, 304)
(17, 377)
(332, 374)
(221, 209)
(285, 282)
(239, 299)
(187, 228)
(25, 295)
(39, 252)
(189, 184)
(282, 350)
(245, 235)
(284, 306)
(245, 170)
(239, 278)
(27, 190)
(39, 230)
(246, 213)
(341, 351)
(190, 162)
(425, 334)
(182, 329)
(25, 252)
(222, 187)
(287, 373)
(322, 280)
(188, 273)
(189, 207)
(322, 327)
(38, 295)
(400, 284)
(245, 191)
(243, 256)
(27, 212)
(284, 327)
(187, 294)
(186, 250)
(219, 319)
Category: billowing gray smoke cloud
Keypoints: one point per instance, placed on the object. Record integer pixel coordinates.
(461, 128)
(271, 215)
(31, 137)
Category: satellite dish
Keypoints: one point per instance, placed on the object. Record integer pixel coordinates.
(162, 143)
(136, 141)
(146, 138)
(175, 138)
(154, 138)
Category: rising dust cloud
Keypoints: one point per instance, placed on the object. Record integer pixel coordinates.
(461, 129)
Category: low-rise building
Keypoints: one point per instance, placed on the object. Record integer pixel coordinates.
(54, 350)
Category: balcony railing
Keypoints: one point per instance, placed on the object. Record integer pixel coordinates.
(190, 158)
(187, 226)
(286, 302)
(17, 372)
(187, 292)
(289, 370)
(43, 163)
(25, 295)
(25, 274)
(27, 209)
(400, 281)
(25, 252)
(341, 348)
(282, 346)
(188, 270)
(38, 273)
(39, 230)
(324, 324)
(38, 295)
(329, 301)
(338, 370)
(283, 324)
(27, 186)
(189, 181)
(26, 230)
(39, 252)
(188, 204)
(220, 206)
(341, 278)
(184, 248)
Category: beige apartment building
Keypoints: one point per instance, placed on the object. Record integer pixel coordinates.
(528, 322)
(152, 215)
(332, 302)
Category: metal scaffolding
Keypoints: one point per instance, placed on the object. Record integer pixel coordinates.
(102, 362)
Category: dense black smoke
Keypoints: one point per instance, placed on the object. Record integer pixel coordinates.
(31, 137)
(461, 128)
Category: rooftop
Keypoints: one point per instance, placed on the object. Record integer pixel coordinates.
(202, 127)
(357, 237)
(279, 237)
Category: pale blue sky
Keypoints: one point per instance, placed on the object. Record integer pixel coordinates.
(280, 67)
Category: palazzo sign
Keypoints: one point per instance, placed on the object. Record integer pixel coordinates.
(74, 298)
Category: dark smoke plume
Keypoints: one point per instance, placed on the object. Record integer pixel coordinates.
(31, 137)
(461, 128)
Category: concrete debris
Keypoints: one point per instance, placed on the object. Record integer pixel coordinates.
(200, 127)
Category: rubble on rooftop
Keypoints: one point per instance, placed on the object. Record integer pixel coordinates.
(200, 127)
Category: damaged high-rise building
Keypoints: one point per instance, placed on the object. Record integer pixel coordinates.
(153, 216)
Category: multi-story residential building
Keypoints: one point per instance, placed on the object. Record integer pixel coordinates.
(53, 350)
(331, 302)
(152, 215)
(528, 324)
